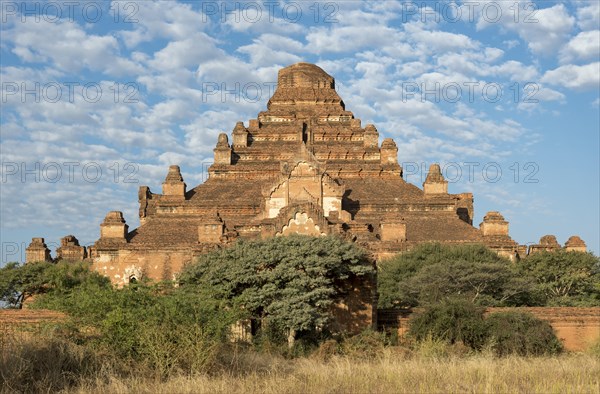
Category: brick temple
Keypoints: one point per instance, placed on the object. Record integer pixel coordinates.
(305, 165)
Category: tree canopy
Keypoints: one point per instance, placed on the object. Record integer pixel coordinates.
(291, 281)
(564, 278)
(433, 272)
(19, 282)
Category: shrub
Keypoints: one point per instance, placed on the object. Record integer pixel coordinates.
(452, 321)
(163, 328)
(327, 350)
(368, 344)
(438, 348)
(520, 333)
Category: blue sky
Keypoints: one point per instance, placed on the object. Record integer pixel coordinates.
(99, 98)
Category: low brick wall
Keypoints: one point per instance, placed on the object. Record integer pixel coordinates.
(9, 317)
(577, 328)
(15, 321)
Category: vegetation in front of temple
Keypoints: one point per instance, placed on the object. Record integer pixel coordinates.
(433, 272)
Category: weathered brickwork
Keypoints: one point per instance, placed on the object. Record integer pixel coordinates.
(305, 165)
(37, 251)
(70, 250)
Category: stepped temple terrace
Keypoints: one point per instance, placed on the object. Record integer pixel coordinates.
(305, 165)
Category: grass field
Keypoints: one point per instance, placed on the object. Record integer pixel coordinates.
(34, 365)
(566, 374)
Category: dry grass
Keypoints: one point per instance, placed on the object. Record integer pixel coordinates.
(52, 364)
(390, 373)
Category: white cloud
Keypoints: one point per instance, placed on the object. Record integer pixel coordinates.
(269, 49)
(588, 16)
(571, 76)
(510, 44)
(437, 41)
(176, 83)
(464, 125)
(515, 71)
(259, 19)
(544, 93)
(553, 26)
(160, 19)
(352, 13)
(584, 46)
(412, 69)
(531, 97)
(167, 111)
(66, 46)
(544, 29)
(189, 52)
(350, 38)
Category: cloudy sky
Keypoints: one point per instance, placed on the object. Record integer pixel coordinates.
(99, 98)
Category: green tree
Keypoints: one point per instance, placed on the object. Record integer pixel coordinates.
(563, 277)
(433, 272)
(291, 282)
(19, 282)
(483, 283)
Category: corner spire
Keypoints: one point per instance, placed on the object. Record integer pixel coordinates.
(174, 185)
(435, 182)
